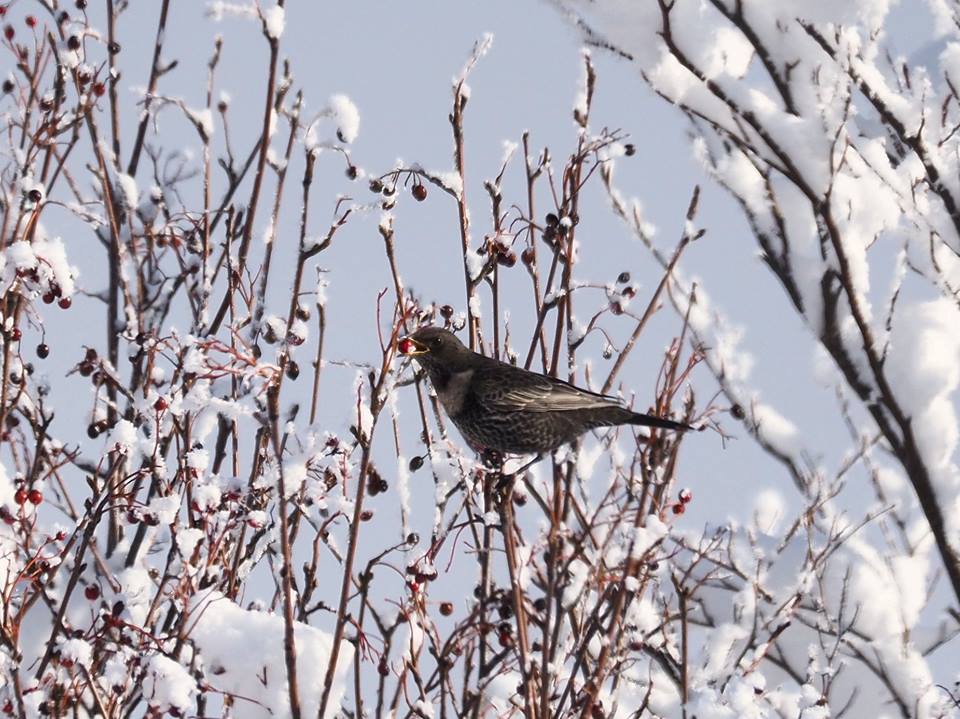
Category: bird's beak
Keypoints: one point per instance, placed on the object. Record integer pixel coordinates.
(411, 348)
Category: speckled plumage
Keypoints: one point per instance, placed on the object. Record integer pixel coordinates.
(510, 410)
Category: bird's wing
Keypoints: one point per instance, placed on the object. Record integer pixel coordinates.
(510, 389)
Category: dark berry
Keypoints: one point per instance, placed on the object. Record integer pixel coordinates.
(9, 32)
(81, 4)
(419, 192)
(376, 185)
(629, 150)
(528, 256)
(35, 195)
(552, 220)
(446, 312)
(293, 370)
(92, 592)
(93, 430)
(35, 496)
(366, 515)
(113, 48)
(160, 405)
(351, 172)
(65, 303)
(616, 308)
(446, 608)
(99, 89)
(507, 259)
(679, 508)
(73, 42)
(90, 355)
(43, 350)
(48, 298)
(623, 278)
(416, 463)
(737, 412)
(8, 86)
(30, 20)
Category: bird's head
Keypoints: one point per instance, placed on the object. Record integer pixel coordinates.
(435, 347)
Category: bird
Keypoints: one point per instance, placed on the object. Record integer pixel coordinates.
(505, 409)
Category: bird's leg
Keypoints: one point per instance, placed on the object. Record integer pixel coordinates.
(492, 459)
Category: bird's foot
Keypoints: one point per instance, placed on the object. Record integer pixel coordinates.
(491, 459)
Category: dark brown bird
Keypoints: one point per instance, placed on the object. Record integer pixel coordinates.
(510, 410)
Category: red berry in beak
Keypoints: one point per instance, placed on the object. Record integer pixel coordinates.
(406, 346)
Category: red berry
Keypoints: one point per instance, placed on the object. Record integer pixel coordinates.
(686, 496)
(92, 592)
(406, 346)
(35, 496)
(507, 259)
(65, 303)
(446, 608)
(48, 298)
(160, 405)
(43, 350)
(31, 21)
(99, 89)
(16, 334)
(366, 515)
(616, 308)
(528, 256)
(20, 496)
(419, 193)
(9, 32)
(679, 508)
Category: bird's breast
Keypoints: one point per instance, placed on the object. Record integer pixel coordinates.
(452, 390)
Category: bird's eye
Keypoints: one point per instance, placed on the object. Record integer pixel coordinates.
(435, 343)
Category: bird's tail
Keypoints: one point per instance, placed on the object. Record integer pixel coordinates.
(609, 416)
(648, 420)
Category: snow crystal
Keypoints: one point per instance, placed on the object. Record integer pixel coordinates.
(198, 459)
(76, 651)
(475, 305)
(274, 20)
(187, 541)
(243, 656)
(165, 509)
(347, 117)
(203, 119)
(218, 9)
(123, 437)
(21, 254)
(168, 685)
(128, 186)
(644, 538)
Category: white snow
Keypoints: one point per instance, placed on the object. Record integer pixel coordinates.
(274, 20)
(242, 655)
(346, 116)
